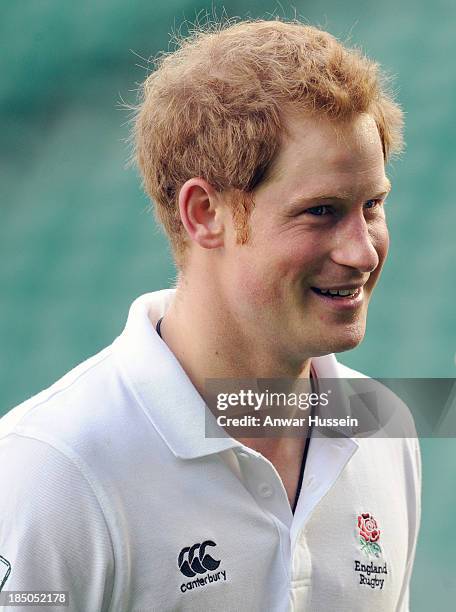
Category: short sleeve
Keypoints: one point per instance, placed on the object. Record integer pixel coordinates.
(53, 535)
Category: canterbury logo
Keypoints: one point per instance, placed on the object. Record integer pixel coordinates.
(194, 560)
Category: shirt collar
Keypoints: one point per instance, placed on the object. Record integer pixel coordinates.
(162, 387)
(160, 384)
(339, 405)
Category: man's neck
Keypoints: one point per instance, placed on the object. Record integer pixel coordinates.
(208, 343)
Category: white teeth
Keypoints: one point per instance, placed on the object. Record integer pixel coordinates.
(341, 292)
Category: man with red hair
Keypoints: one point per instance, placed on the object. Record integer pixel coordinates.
(263, 146)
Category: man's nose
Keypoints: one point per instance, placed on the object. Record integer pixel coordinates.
(354, 246)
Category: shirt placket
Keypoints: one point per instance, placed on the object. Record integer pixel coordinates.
(326, 461)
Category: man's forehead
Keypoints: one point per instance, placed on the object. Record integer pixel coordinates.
(321, 150)
(332, 140)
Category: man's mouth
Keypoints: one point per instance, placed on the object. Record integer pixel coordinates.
(349, 292)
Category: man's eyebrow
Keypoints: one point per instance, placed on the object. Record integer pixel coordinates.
(340, 196)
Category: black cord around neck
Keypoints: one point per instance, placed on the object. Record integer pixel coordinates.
(158, 327)
(304, 456)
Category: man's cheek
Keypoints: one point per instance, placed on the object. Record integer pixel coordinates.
(251, 286)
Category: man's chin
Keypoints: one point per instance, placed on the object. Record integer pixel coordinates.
(339, 342)
(348, 340)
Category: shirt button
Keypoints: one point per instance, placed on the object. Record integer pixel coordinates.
(265, 491)
(243, 455)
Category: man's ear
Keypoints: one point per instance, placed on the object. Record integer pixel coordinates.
(202, 212)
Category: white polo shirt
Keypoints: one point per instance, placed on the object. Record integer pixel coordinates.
(111, 491)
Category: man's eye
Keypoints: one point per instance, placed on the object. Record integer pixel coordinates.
(372, 204)
(318, 211)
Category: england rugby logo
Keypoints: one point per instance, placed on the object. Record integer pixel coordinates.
(369, 534)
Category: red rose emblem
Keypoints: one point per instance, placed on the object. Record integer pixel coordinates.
(368, 528)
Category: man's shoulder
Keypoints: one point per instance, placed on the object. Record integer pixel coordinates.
(376, 396)
(76, 413)
(53, 393)
(394, 420)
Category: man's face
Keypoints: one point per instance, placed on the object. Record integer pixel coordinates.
(317, 225)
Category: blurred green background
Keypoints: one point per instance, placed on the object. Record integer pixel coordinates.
(78, 244)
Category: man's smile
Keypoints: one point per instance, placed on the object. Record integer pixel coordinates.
(346, 298)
